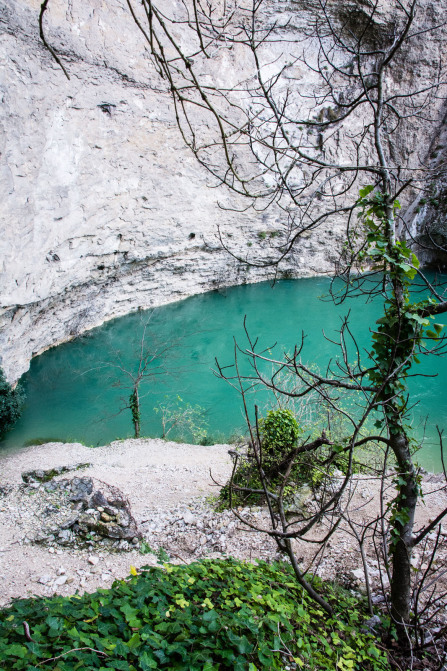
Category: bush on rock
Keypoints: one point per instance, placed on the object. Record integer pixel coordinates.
(11, 402)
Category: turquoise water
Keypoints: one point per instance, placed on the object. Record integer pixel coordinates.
(75, 391)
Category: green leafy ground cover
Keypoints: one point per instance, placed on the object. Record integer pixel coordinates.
(207, 616)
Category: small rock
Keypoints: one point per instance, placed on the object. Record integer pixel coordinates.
(43, 476)
(372, 623)
(64, 536)
(61, 580)
(60, 571)
(32, 476)
(71, 522)
(358, 574)
(81, 489)
(51, 509)
(93, 560)
(98, 500)
(123, 518)
(40, 537)
(117, 502)
(44, 579)
(359, 578)
(377, 598)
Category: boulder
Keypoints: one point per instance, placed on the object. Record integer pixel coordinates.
(82, 510)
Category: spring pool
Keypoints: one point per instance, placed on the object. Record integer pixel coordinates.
(74, 392)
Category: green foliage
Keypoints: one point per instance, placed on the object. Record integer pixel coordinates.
(397, 339)
(246, 475)
(160, 553)
(207, 616)
(397, 259)
(262, 235)
(399, 332)
(279, 432)
(398, 336)
(11, 402)
(185, 421)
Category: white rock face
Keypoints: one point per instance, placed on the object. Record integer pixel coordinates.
(103, 210)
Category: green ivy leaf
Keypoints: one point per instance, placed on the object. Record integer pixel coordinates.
(366, 190)
(16, 651)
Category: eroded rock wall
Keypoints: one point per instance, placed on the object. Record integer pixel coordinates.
(426, 217)
(103, 210)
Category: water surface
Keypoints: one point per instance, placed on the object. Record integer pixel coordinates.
(75, 391)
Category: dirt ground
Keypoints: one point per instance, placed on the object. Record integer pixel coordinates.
(171, 493)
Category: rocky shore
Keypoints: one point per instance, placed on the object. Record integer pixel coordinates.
(74, 518)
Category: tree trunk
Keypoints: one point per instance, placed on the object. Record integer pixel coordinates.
(404, 507)
(402, 533)
(135, 408)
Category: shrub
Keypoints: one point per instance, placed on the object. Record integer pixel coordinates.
(279, 432)
(187, 422)
(11, 402)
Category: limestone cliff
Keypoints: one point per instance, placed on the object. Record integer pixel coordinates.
(103, 209)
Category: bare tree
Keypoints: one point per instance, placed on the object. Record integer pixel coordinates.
(310, 148)
(277, 144)
(150, 363)
(153, 359)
